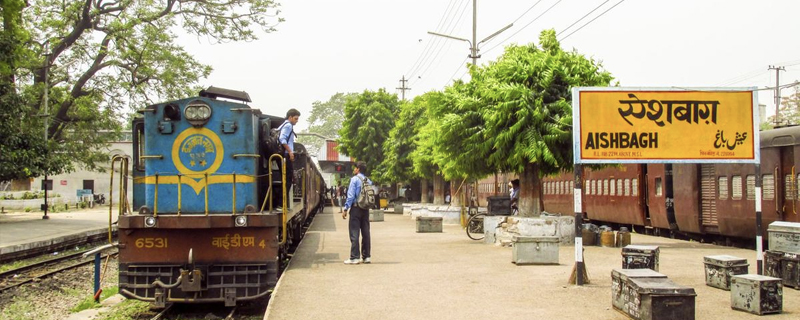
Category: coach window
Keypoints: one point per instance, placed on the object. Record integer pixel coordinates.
(571, 187)
(659, 190)
(736, 188)
(605, 187)
(586, 186)
(751, 187)
(722, 187)
(613, 188)
(768, 187)
(789, 190)
(627, 187)
(594, 187)
(635, 187)
(619, 187)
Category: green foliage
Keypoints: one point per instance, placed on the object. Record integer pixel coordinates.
(326, 119)
(368, 118)
(128, 309)
(98, 60)
(528, 109)
(404, 139)
(460, 146)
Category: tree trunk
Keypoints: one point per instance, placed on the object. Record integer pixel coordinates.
(423, 187)
(393, 191)
(530, 194)
(438, 190)
(456, 194)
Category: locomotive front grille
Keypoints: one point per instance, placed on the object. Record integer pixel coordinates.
(244, 281)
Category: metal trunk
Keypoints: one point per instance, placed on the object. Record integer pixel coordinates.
(720, 269)
(756, 294)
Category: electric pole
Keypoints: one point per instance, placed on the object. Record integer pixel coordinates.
(777, 90)
(473, 45)
(403, 88)
(45, 115)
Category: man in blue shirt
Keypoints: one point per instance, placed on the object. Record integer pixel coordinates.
(359, 217)
(287, 138)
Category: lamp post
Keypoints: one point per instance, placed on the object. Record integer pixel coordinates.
(473, 45)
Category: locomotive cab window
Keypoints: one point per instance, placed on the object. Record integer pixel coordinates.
(768, 187)
(722, 187)
(736, 188)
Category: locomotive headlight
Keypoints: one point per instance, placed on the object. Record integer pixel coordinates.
(150, 222)
(197, 113)
(240, 221)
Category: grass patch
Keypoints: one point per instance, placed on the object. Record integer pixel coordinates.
(26, 262)
(19, 310)
(89, 303)
(128, 309)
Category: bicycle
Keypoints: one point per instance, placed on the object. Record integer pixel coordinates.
(475, 224)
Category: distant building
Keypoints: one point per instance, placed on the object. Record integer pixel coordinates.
(67, 185)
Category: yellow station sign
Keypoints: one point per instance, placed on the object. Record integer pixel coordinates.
(619, 125)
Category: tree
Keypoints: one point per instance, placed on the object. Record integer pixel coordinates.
(22, 146)
(100, 56)
(326, 119)
(404, 139)
(528, 113)
(368, 118)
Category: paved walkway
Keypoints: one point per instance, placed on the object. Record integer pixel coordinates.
(23, 230)
(448, 276)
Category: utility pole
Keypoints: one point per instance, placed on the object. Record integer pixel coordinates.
(45, 115)
(473, 45)
(403, 88)
(777, 90)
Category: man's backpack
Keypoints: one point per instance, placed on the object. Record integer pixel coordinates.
(366, 198)
(272, 141)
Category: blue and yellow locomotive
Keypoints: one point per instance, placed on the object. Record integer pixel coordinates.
(202, 227)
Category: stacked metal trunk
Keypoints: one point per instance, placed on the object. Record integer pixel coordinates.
(721, 268)
(756, 294)
(640, 257)
(782, 260)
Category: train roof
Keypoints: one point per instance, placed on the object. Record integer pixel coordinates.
(786, 136)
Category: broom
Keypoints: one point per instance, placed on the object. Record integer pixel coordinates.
(573, 277)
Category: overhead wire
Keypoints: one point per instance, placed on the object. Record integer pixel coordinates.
(429, 43)
(523, 28)
(460, 65)
(590, 21)
(584, 17)
(448, 29)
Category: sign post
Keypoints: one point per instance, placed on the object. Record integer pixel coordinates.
(662, 125)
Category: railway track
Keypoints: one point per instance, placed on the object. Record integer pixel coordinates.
(19, 276)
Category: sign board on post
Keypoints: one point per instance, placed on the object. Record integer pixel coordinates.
(662, 125)
(665, 125)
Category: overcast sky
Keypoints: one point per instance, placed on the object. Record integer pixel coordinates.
(325, 47)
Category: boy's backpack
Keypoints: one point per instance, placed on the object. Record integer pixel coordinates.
(272, 141)
(366, 198)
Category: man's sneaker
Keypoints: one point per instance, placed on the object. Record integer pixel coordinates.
(367, 260)
(352, 261)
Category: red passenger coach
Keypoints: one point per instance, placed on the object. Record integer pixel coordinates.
(716, 200)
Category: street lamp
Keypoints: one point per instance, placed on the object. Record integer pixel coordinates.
(45, 115)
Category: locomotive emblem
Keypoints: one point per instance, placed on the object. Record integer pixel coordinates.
(197, 151)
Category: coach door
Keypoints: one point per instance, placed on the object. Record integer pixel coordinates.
(708, 198)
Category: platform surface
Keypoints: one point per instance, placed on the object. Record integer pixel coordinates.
(21, 230)
(448, 276)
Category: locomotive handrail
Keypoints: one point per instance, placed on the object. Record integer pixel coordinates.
(233, 211)
(179, 194)
(268, 196)
(155, 203)
(249, 155)
(123, 170)
(152, 157)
